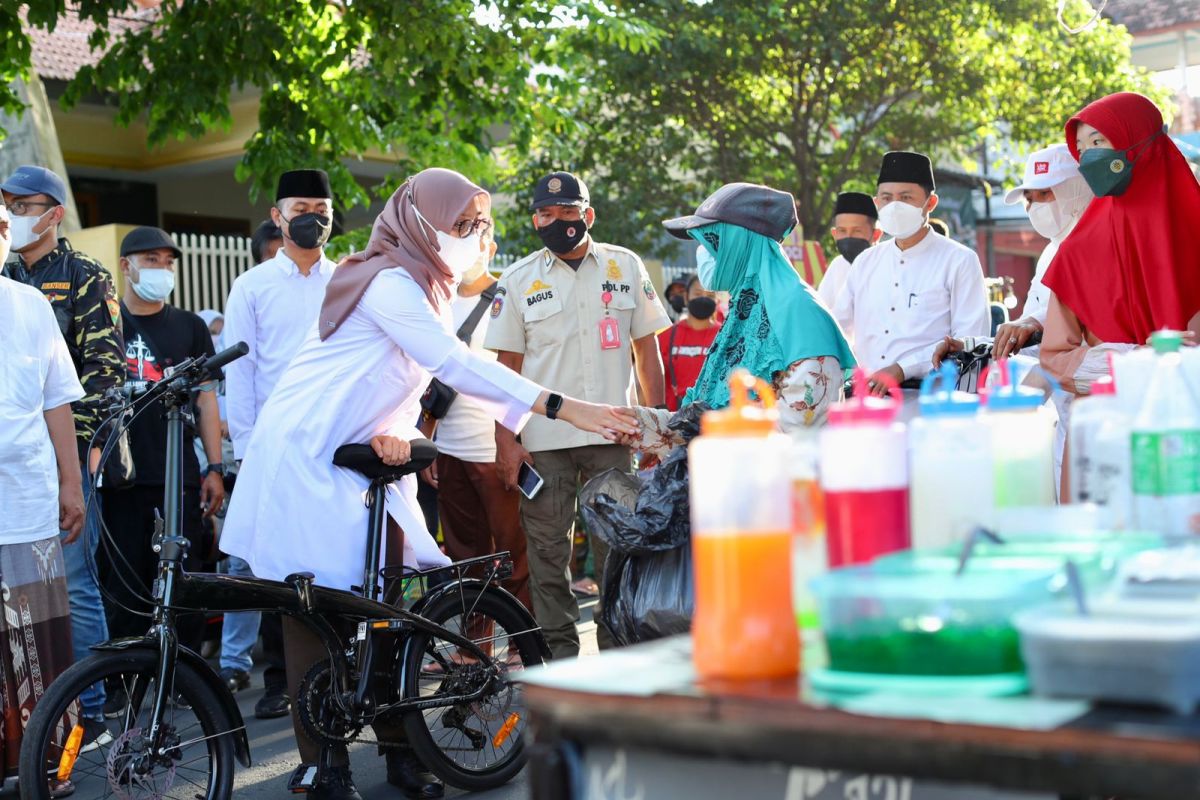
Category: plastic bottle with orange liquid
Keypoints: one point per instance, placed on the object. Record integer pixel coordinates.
(744, 624)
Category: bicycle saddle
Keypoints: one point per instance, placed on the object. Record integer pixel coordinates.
(362, 459)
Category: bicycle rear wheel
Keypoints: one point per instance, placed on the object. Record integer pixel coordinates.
(477, 745)
(110, 758)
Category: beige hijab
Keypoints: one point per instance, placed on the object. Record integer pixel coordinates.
(399, 239)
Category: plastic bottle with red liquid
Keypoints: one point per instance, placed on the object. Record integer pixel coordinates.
(740, 490)
(864, 474)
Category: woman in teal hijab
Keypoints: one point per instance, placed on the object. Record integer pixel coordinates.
(776, 328)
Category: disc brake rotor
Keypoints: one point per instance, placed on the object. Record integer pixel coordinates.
(133, 774)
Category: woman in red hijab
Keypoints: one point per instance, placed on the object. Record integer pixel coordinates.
(1132, 264)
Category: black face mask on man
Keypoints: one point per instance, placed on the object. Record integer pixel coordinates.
(677, 302)
(563, 235)
(701, 307)
(851, 247)
(309, 231)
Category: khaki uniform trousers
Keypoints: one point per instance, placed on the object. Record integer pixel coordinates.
(549, 522)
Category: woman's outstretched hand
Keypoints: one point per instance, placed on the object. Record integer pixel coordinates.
(612, 422)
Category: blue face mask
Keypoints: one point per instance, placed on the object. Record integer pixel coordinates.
(706, 267)
(154, 285)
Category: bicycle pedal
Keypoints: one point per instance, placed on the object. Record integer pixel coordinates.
(304, 779)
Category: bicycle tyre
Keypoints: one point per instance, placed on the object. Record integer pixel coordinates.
(500, 609)
(204, 702)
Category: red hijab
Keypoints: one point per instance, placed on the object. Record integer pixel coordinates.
(1132, 264)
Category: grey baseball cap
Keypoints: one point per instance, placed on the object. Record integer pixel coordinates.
(761, 209)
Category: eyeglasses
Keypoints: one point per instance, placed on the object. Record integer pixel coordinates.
(19, 207)
(469, 227)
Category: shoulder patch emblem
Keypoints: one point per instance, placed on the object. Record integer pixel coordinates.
(537, 286)
(648, 289)
(614, 271)
(497, 305)
(114, 309)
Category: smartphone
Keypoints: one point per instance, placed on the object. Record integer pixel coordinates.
(528, 481)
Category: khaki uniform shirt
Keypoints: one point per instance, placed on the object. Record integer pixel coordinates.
(551, 314)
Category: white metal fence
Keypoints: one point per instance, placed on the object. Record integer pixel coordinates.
(210, 264)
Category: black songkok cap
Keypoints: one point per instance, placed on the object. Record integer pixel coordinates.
(900, 166)
(303, 183)
(855, 203)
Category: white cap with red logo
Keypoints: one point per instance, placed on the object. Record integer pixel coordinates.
(1045, 169)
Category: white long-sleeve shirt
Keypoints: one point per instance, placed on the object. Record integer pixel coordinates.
(898, 304)
(293, 509)
(271, 308)
(833, 281)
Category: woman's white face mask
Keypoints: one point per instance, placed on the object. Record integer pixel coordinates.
(706, 267)
(459, 254)
(1049, 219)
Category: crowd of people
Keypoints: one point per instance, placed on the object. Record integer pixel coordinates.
(569, 363)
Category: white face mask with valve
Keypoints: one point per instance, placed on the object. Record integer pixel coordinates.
(900, 219)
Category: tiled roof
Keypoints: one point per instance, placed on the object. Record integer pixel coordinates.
(1142, 16)
(59, 54)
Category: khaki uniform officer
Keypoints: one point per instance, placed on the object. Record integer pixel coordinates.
(577, 316)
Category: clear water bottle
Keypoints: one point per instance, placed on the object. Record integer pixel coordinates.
(1022, 431)
(950, 460)
(1166, 447)
(1100, 452)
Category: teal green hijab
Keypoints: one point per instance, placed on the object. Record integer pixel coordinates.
(774, 317)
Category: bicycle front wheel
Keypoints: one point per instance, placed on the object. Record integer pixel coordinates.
(477, 745)
(112, 757)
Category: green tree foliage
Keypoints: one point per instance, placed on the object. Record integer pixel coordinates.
(430, 82)
(807, 95)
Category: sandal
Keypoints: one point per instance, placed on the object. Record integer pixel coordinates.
(61, 788)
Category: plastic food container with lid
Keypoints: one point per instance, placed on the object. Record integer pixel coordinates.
(1123, 650)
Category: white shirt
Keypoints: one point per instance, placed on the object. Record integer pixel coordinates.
(898, 304)
(1037, 302)
(468, 431)
(293, 509)
(36, 374)
(833, 281)
(271, 308)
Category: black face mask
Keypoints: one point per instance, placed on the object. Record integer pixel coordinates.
(701, 307)
(852, 247)
(677, 302)
(563, 235)
(310, 231)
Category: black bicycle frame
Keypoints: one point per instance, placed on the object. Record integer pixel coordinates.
(178, 591)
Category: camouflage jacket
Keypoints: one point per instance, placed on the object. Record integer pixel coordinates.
(80, 291)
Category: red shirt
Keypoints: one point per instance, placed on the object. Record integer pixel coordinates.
(685, 359)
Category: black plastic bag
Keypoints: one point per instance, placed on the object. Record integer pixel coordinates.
(648, 575)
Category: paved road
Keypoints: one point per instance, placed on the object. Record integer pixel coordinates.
(273, 752)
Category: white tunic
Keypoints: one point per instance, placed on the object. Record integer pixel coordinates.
(833, 281)
(898, 304)
(293, 509)
(272, 308)
(36, 375)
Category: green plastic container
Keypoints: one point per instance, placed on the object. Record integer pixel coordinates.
(912, 615)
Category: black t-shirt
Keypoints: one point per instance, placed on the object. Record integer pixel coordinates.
(153, 343)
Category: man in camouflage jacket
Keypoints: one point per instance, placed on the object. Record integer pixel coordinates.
(81, 292)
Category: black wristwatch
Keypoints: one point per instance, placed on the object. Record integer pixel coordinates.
(553, 405)
(217, 468)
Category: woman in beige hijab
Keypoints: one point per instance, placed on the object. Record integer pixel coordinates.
(384, 330)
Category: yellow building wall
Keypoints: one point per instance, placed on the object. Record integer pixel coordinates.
(103, 243)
